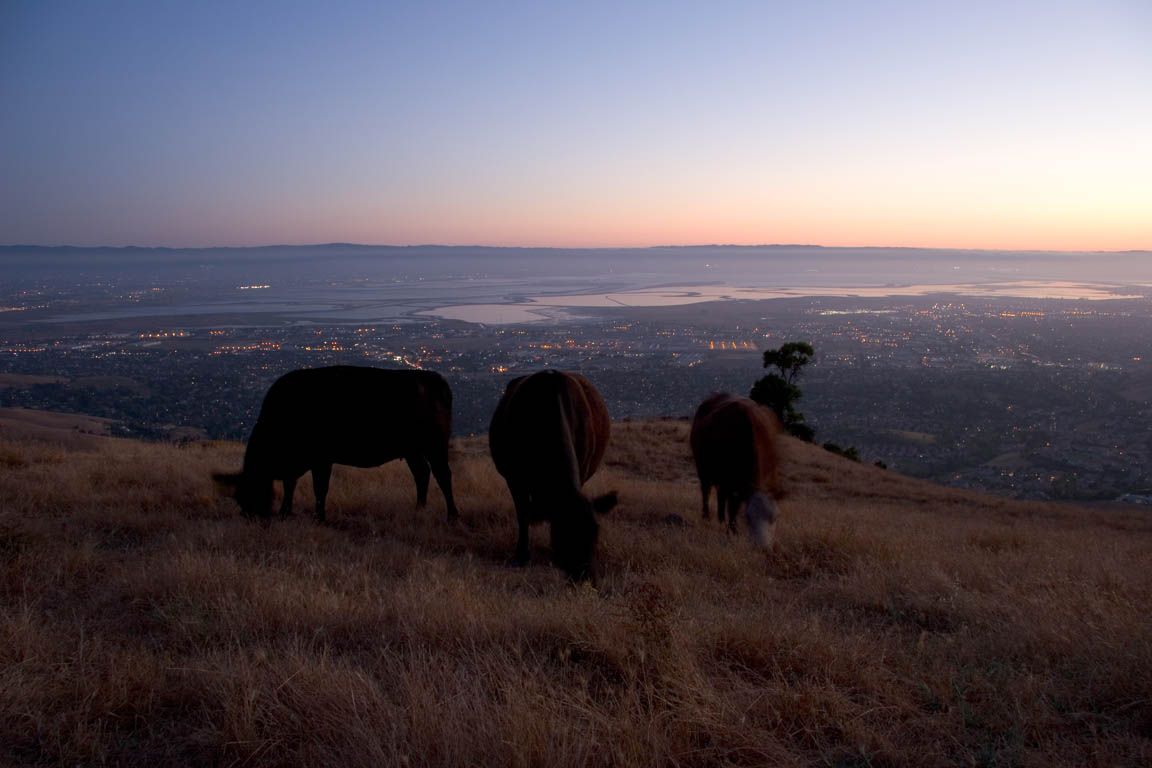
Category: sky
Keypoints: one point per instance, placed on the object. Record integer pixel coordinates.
(998, 125)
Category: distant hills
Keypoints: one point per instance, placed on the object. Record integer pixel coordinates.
(61, 256)
(456, 249)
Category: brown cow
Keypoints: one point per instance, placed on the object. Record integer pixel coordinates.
(363, 417)
(734, 445)
(547, 437)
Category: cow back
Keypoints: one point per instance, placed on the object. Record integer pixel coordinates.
(550, 431)
(354, 415)
(734, 444)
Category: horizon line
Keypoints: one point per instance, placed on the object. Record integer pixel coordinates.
(569, 248)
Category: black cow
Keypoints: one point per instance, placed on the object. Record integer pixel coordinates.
(547, 437)
(362, 417)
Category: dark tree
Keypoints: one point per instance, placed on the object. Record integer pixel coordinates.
(779, 392)
(775, 392)
(789, 359)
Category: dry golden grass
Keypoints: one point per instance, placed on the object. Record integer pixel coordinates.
(73, 430)
(897, 623)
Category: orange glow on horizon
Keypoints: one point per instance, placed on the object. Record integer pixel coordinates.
(963, 220)
(909, 234)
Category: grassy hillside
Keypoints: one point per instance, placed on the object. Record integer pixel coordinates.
(143, 622)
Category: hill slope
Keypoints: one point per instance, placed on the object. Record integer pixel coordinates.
(896, 623)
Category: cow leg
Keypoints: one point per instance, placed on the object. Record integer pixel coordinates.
(443, 474)
(289, 492)
(321, 474)
(419, 469)
(522, 500)
(705, 490)
(734, 505)
(721, 502)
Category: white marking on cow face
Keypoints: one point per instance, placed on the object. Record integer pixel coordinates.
(761, 513)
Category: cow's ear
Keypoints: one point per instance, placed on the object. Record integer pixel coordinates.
(606, 502)
(227, 484)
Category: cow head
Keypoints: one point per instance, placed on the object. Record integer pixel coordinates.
(761, 513)
(254, 496)
(575, 531)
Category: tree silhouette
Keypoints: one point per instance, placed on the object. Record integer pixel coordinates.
(789, 359)
(779, 392)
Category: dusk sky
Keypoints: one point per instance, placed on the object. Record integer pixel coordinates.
(967, 124)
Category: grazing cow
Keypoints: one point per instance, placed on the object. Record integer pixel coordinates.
(547, 437)
(734, 445)
(363, 417)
